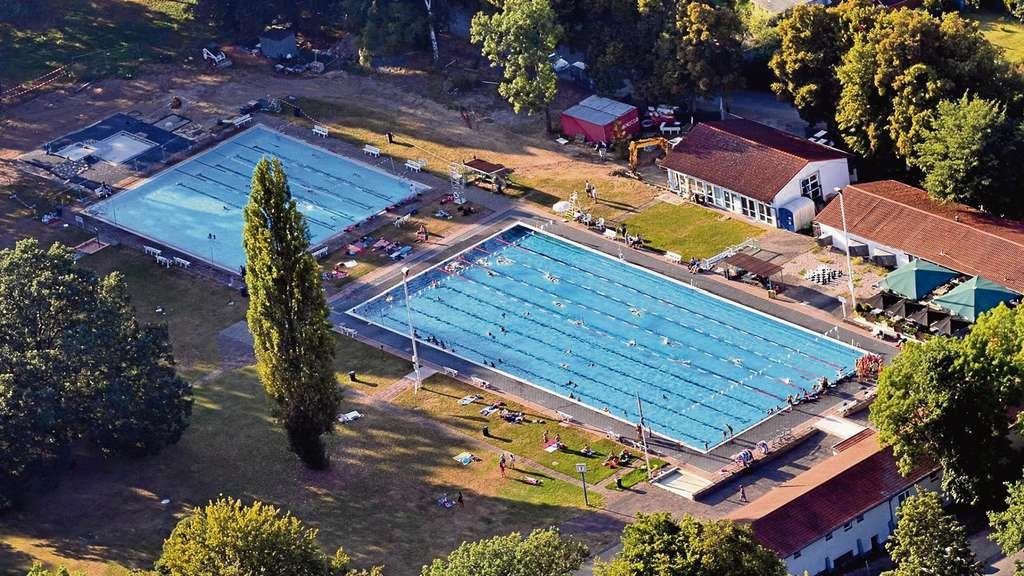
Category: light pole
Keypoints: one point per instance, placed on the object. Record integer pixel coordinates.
(412, 331)
(849, 264)
(582, 469)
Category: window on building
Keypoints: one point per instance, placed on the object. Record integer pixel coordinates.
(902, 498)
(811, 187)
(828, 536)
(860, 518)
(847, 527)
(797, 554)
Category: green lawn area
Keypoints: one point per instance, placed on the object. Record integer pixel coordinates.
(375, 368)
(378, 500)
(689, 230)
(1003, 31)
(439, 397)
(637, 473)
(24, 200)
(194, 309)
(99, 37)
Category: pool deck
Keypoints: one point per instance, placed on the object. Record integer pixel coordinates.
(506, 211)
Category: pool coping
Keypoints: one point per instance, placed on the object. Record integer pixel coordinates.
(351, 311)
(89, 210)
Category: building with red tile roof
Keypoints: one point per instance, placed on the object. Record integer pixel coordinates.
(755, 170)
(837, 510)
(894, 223)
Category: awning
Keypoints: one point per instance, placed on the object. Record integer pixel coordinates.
(881, 300)
(974, 297)
(486, 168)
(928, 316)
(916, 279)
(904, 308)
(950, 326)
(752, 264)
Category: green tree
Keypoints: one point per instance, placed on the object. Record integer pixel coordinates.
(39, 570)
(969, 152)
(228, 537)
(659, 545)
(1008, 525)
(143, 405)
(1015, 8)
(929, 541)
(811, 46)
(74, 363)
(711, 49)
(541, 553)
(288, 315)
(893, 76)
(932, 405)
(994, 351)
(518, 39)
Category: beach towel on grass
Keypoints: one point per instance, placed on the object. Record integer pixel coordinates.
(465, 458)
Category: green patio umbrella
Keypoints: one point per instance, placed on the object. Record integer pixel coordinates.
(916, 279)
(974, 297)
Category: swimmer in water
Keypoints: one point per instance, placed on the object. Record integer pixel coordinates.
(559, 304)
(564, 366)
(631, 343)
(665, 341)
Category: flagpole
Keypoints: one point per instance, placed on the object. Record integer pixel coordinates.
(643, 436)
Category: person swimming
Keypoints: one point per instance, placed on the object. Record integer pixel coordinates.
(631, 343)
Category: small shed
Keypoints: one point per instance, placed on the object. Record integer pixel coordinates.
(595, 117)
(277, 43)
(797, 214)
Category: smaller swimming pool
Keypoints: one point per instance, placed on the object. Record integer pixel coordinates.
(196, 205)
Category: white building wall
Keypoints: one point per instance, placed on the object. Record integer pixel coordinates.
(820, 555)
(831, 174)
(874, 248)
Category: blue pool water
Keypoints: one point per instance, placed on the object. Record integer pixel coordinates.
(196, 206)
(550, 312)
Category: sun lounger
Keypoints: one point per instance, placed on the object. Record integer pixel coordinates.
(350, 416)
(489, 410)
(464, 458)
(467, 400)
(400, 253)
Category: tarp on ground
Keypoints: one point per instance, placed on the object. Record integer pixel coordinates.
(975, 297)
(917, 279)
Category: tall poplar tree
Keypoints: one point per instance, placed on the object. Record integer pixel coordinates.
(288, 315)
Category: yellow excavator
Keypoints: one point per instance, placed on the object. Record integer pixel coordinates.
(636, 145)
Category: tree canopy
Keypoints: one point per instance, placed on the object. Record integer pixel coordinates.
(76, 364)
(287, 315)
(229, 537)
(969, 152)
(1008, 524)
(929, 541)
(945, 400)
(659, 545)
(540, 553)
(518, 38)
(812, 44)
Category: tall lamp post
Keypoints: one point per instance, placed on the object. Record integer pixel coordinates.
(412, 331)
(582, 469)
(849, 263)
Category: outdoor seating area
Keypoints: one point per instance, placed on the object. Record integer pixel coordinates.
(924, 298)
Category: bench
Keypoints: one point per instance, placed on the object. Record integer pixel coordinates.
(415, 165)
(241, 120)
(452, 372)
(372, 151)
(670, 129)
(480, 382)
(182, 262)
(149, 250)
(163, 261)
(350, 332)
(320, 252)
(320, 130)
(673, 257)
(610, 233)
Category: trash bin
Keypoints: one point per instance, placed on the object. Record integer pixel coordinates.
(486, 432)
(352, 376)
(618, 483)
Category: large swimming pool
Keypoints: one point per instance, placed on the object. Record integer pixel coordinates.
(196, 206)
(570, 320)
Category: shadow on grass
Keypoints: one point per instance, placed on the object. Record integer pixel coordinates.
(378, 499)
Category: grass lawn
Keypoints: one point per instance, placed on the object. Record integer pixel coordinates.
(195, 310)
(439, 398)
(375, 369)
(689, 230)
(637, 474)
(99, 37)
(1003, 31)
(378, 500)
